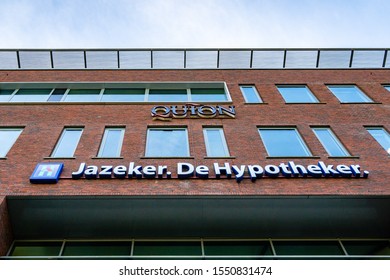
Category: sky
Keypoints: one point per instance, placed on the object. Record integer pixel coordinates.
(194, 24)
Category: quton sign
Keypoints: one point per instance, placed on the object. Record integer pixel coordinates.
(186, 170)
(167, 113)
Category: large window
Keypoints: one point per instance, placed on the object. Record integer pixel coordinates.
(31, 95)
(83, 95)
(330, 142)
(167, 142)
(115, 92)
(215, 142)
(8, 137)
(382, 136)
(250, 94)
(349, 94)
(283, 142)
(112, 142)
(67, 144)
(297, 94)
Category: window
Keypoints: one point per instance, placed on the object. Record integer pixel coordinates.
(215, 142)
(167, 142)
(330, 142)
(116, 92)
(208, 94)
(382, 136)
(112, 142)
(297, 94)
(174, 95)
(32, 95)
(283, 142)
(250, 94)
(387, 87)
(8, 137)
(67, 143)
(83, 95)
(124, 95)
(5, 94)
(349, 94)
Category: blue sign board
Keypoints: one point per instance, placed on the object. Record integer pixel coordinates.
(46, 173)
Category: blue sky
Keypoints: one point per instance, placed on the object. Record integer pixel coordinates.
(194, 23)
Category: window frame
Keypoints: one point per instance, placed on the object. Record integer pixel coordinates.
(104, 141)
(302, 142)
(60, 139)
(334, 138)
(360, 92)
(168, 128)
(20, 129)
(305, 87)
(385, 131)
(259, 99)
(223, 139)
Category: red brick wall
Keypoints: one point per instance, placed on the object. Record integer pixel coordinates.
(44, 123)
(5, 228)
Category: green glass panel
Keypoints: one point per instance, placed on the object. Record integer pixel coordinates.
(83, 95)
(97, 249)
(124, 95)
(237, 248)
(32, 95)
(208, 94)
(36, 249)
(174, 95)
(310, 248)
(162, 248)
(376, 248)
(5, 94)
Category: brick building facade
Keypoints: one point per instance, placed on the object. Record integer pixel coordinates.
(291, 208)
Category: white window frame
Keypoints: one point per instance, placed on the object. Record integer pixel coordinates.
(104, 140)
(61, 139)
(335, 138)
(256, 92)
(311, 94)
(363, 94)
(224, 144)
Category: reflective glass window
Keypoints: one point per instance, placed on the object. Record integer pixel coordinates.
(330, 142)
(215, 142)
(8, 137)
(250, 94)
(123, 95)
(67, 144)
(83, 95)
(297, 94)
(173, 95)
(349, 94)
(112, 142)
(281, 142)
(208, 94)
(31, 95)
(382, 136)
(167, 142)
(5, 94)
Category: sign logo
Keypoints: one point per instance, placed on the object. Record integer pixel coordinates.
(167, 113)
(46, 173)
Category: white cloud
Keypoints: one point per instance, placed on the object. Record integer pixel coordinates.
(186, 23)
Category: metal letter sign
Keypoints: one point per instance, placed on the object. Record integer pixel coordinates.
(46, 173)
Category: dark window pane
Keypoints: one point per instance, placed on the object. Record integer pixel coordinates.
(5, 94)
(208, 94)
(36, 249)
(310, 248)
(237, 248)
(367, 247)
(171, 248)
(97, 249)
(124, 95)
(162, 95)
